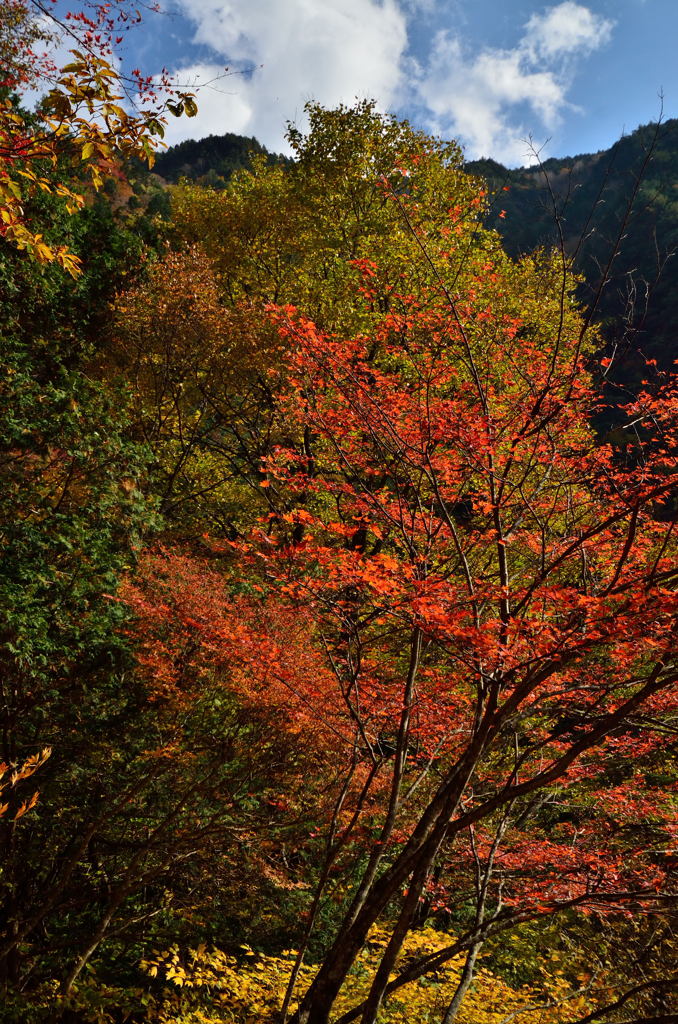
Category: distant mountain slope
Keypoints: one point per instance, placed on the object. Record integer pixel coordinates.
(211, 161)
(586, 198)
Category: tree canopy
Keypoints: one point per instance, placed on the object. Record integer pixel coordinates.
(352, 642)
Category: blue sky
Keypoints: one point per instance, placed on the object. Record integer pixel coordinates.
(487, 72)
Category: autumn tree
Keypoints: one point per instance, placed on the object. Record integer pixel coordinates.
(491, 586)
(282, 234)
(495, 591)
(195, 337)
(91, 115)
(417, 649)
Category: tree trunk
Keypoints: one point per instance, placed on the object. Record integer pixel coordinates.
(416, 857)
(463, 986)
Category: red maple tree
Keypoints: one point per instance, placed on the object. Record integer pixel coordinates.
(496, 591)
(490, 591)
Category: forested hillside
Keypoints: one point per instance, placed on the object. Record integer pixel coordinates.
(615, 213)
(338, 673)
(211, 161)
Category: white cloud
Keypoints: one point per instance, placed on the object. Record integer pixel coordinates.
(326, 50)
(475, 98)
(424, 7)
(333, 51)
(478, 96)
(566, 29)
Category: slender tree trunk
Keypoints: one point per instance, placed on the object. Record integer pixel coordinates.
(417, 855)
(400, 759)
(95, 941)
(333, 850)
(463, 986)
(388, 960)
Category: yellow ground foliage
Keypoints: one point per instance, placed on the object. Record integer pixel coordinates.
(211, 987)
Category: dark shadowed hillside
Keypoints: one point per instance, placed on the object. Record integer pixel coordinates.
(585, 202)
(213, 160)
